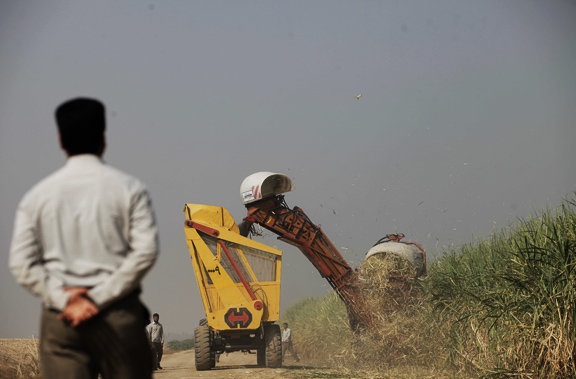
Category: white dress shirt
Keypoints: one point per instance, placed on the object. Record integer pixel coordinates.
(86, 225)
(155, 332)
(286, 335)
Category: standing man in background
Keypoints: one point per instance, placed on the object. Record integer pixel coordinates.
(84, 237)
(156, 337)
(287, 344)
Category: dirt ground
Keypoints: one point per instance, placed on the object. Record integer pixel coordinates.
(241, 366)
(19, 359)
(231, 366)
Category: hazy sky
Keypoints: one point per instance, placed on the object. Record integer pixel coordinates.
(467, 119)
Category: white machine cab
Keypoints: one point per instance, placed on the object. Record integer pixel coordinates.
(263, 184)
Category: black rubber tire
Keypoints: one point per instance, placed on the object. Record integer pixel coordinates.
(205, 358)
(273, 345)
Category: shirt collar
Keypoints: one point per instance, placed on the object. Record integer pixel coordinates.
(83, 159)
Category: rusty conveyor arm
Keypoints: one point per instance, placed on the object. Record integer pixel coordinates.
(293, 226)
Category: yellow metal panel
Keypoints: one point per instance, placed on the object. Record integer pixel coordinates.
(211, 215)
(227, 303)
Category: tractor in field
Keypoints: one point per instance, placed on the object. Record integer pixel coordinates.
(239, 278)
(239, 283)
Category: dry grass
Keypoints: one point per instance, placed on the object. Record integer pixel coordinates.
(502, 307)
(402, 341)
(388, 285)
(401, 336)
(19, 359)
(507, 302)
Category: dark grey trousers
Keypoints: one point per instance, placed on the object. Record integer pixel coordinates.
(288, 346)
(113, 343)
(157, 352)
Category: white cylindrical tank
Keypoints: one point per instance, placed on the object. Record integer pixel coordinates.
(405, 250)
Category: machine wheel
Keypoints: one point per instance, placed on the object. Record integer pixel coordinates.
(273, 345)
(205, 358)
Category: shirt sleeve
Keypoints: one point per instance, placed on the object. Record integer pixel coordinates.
(26, 262)
(143, 241)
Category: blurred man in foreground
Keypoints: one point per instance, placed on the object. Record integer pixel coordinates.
(84, 237)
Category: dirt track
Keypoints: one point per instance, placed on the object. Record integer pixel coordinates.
(15, 354)
(234, 365)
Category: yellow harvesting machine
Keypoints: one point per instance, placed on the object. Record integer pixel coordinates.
(239, 283)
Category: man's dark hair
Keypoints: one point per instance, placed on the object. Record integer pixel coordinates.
(155, 314)
(81, 123)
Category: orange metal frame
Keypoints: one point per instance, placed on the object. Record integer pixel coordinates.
(293, 226)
